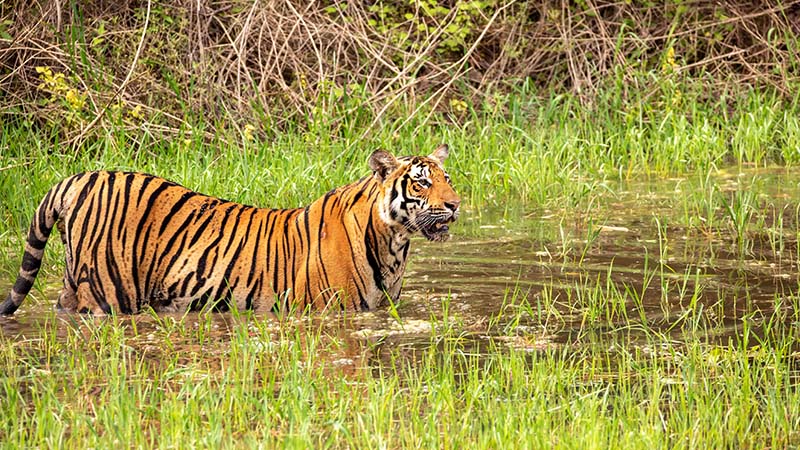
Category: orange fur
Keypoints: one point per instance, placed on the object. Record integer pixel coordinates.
(134, 240)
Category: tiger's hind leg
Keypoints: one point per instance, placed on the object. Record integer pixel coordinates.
(85, 301)
(78, 299)
(68, 298)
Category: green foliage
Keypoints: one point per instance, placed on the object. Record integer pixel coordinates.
(412, 24)
(292, 64)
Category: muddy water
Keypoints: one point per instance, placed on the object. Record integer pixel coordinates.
(624, 261)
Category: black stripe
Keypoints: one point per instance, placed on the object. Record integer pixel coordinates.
(147, 286)
(112, 266)
(174, 210)
(63, 187)
(145, 182)
(171, 289)
(290, 261)
(319, 241)
(252, 294)
(271, 246)
(178, 254)
(200, 302)
(95, 287)
(82, 234)
(182, 231)
(308, 254)
(235, 257)
(202, 262)
(36, 243)
(100, 228)
(22, 286)
(126, 198)
(361, 284)
(275, 268)
(8, 306)
(123, 300)
(81, 198)
(30, 262)
(136, 262)
(393, 194)
(233, 230)
(285, 258)
(200, 229)
(41, 221)
(355, 198)
(370, 244)
(214, 245)
(222, 302)
(185, 284)
(104, 306)
(97, 206)
(256, 247)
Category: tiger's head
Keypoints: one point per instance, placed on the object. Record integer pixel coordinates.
(418, 194)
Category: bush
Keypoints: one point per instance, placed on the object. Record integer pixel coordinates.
(291, 63)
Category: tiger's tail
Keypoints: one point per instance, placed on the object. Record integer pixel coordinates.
(42, 224)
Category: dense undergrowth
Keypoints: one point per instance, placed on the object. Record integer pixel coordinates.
(85, 68)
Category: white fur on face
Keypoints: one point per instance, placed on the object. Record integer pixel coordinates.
(401, 210)
(402, 214)
(419, 171)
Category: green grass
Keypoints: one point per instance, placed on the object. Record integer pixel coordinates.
(106, 383)
(626, 372)
(544, 153)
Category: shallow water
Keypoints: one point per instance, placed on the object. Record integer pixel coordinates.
(627, 261)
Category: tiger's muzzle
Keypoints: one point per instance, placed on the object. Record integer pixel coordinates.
(435, 224)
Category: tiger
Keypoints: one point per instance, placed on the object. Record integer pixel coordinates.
(134, 240)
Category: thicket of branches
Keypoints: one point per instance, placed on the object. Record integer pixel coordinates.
(88, 63)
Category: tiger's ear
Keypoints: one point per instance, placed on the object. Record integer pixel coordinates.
(382, 163)
(440, 154)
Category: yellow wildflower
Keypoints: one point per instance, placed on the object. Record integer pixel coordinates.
(75, 100)
(458, 106)
(248, 132)
(669, 63)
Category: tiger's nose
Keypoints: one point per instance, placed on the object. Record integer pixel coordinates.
(452, 205)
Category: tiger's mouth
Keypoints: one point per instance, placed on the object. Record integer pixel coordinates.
(437, 231)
